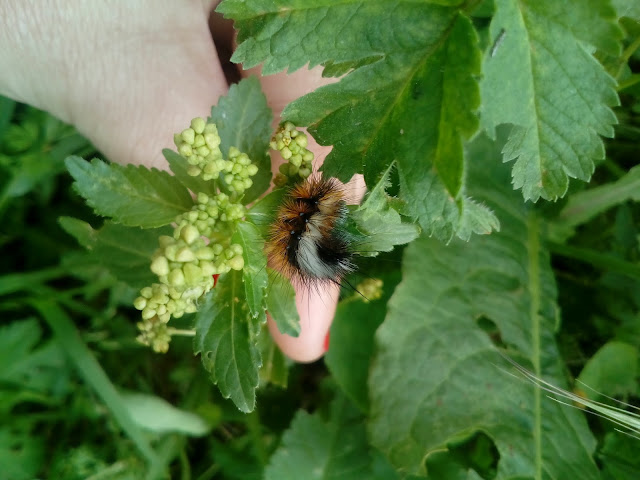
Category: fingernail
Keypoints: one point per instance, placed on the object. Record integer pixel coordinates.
(326, 342)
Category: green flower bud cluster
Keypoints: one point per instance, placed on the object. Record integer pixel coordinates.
(208, 211)
(200, 146)
(154, 301)
(238, 177)
(292, 145)
(200, 247)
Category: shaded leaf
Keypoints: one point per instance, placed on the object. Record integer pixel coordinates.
(179, 165)
(155, 414)
(133, 196)
(611, 371)
(281, 304)
(314, 448)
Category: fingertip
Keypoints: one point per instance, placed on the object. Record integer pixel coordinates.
(317, 309)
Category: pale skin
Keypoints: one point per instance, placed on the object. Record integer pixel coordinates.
(129, 75)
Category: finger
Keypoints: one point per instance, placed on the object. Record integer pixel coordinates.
(316, 306)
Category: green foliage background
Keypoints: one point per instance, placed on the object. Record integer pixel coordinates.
(471, 114)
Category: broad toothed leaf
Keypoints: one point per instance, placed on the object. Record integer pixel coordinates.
(133, 196)
(411, 95)
(540, 76)
(432, 344)
(226, 340)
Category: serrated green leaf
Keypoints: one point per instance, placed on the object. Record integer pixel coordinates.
(436, 376)
(179, 165)
(254, 273)
(155, 414)
(539, 77)
(611, 371)
(126, 252)
(244, 121)
(133, 196)
(227, 343)
(313, 448)
(380, 224)
(281, 304)
(428, 61)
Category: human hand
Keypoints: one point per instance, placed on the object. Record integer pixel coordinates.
(129, 75)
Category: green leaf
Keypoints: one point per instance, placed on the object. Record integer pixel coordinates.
(179, 165)
(583, 206)
(354, 325)
(262, 214)
(126, 252)
(427, 64)
(612, 371)
(155, 414)
(244, 121)
(314, 448)
(133, 196)
(619, 457)
(80, 230)
(92, 373)
(274, 368)
(254, 273)
(539, 76)
(21, 453)
(380, 223)
(435, 376)
(226, 340)
(281, 304)
(627, 8)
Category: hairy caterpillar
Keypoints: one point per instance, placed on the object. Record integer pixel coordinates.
(307, 241)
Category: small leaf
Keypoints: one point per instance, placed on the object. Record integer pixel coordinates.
(612, 371)
(133, 196)
(281, 304)
(583, 206)
(80, 230)
(336, 448)
(262, 213)
(179, 165)
(254, 273)
(541, 79)
(155, 414)
(244, 121)
(380, 223)
(352, 332)
(226, 340)
(126, 252)
(274, 364)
